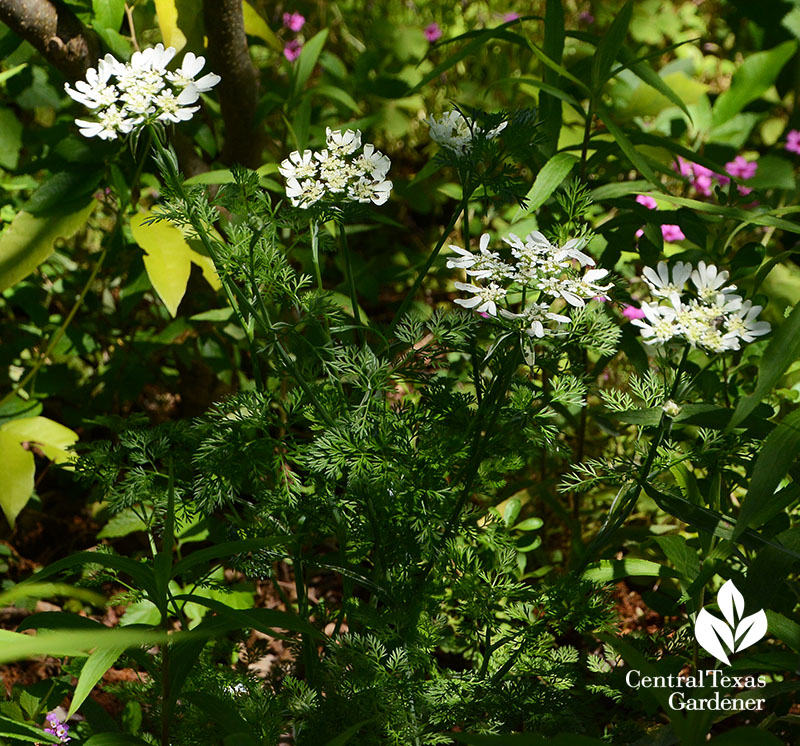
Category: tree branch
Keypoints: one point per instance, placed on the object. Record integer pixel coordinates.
(55, 31)
(238, 90)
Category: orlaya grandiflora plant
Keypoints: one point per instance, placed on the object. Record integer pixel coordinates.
(737, 631)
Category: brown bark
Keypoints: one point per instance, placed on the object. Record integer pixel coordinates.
(229, 57)
(55, 31)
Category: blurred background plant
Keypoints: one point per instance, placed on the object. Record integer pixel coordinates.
(357, 571)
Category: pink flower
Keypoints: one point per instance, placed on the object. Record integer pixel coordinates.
(292, 50)
(741, 168)
(600, 298)
(684, 168)
(672, 233)
(293, 21)
(743, 190)
(639, 233)
(433, 32)
(631, 312)
(508, 17)
(793, 141)
(647, 201)
(586, 17)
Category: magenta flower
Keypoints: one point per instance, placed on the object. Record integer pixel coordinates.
(793, 141)
(508, 17)
(293, 21)
(647, 201)
(684, 168)
(57, 728)
(672, 233)
(631, 312)
(586, 17)
(433, 32)
(741, 168)
(292, 50)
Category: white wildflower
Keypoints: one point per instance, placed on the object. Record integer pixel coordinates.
(534, 317)
(659, 279)
(343, 143)
(485, 298)
(709, 281)
(743, 323)
(306, 193)
(456, 131)
(299, 166)
(128, 95)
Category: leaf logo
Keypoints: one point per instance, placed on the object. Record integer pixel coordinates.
(737, 632)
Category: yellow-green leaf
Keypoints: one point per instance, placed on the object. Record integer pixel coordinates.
(18, 471)
(255, 25)
(168, 259)
(53, 438)
(167, 13)
(29, 240)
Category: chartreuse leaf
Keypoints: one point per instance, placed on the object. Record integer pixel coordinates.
(777, 454)
(755, 75)
(783, 349)
(547, 181)
(29, 240)
(169, 258)
(18, 471)
(48, 590)
(96, 665)
(108, 13)
(167, 14)
(255, 25)
(53, 438)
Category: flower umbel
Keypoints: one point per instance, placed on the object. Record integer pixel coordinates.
(337, 174)
(126, 96)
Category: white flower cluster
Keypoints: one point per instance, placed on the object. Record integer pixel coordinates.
(548, 274)
(337, 172)
(127, 95)
(707, 315)
(455, 131)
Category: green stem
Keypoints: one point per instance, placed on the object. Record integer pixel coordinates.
(315, 251)
(426, 267)
(351, 283)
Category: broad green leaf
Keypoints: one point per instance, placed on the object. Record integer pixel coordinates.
(783, 349)
(53, 438)
(49, 590)
(547, 181)
(550, 107)
(10, 139)
(29, 240)
(17, 731)
(308, 59)
(337, 94)
(219, 551)
(610, 44)
(255, 25)
(18, 468)
(167, 14)
(108, 13)
(168, 259)
(93, 669)
(755, 75)
(605, 571)
(777, 454)
(65, 192)
(15, 646)
(660, 93)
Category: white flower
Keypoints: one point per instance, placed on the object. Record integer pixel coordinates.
(184, 76)
(304, 194)
(112, 123)
(743, 323)
(343, 143)
(658, 325)
(373, 162)
(709, 281)
(485, 264)
(571, 250)
(173, 108)
(659, 279)
(534, 317)
(125, 96)
(485, 300)
(95, 90)
(298, 166)
(365, 190)
(455, 131)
